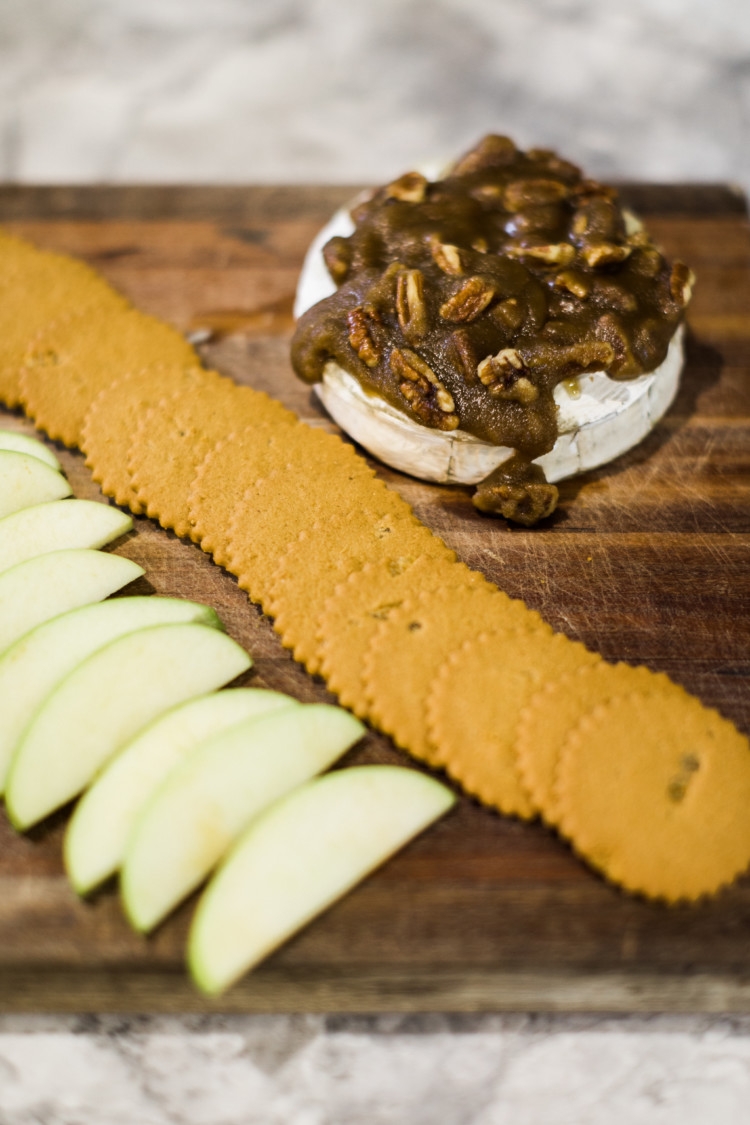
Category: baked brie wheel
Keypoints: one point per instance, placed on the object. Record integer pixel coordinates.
(507, 325)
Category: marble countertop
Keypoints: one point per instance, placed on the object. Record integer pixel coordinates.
(324, 91)
(333, 1070)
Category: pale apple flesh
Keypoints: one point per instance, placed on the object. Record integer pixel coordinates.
(295, 860)
(103, 819)
(26, 480)
(21, 443)
(104, 702)
(207, 801)
(44, 587)
(57, 525)
(32, 667)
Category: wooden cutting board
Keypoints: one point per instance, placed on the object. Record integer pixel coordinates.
(646, 560)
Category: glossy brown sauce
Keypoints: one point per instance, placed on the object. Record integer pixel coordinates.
(463, 302)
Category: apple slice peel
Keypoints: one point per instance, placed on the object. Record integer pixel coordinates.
(136, 678)
(207, 801)
(299, 857)
(103, 819)
(17, 442)
(27, 480)
(57, 525)
(44, 587)
(32, 667)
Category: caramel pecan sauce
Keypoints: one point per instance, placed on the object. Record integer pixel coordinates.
(463, 302)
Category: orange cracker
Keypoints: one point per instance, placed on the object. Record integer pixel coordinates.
(475, 701)
(654, 792)
(353, 613)
(113, 417)
(410, 646)
(556, 709)
(72, 359)
(228, 469)
(19, 257)
(174, 436)
(320, 477)
(39, 288)
(325, 553)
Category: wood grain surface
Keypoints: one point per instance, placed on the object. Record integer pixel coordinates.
(647, 559)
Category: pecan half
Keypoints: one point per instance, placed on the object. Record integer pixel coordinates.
(638, 238)
(504, 375)
(486, 193)
(410, 306)
(468, 302)
(409, 188)
(509, 314)
(447, 257)
(576, 283)
(491, 150)
(422, 389)
(517, 490)
(598, 254)
(555, 254)
(587, 188)
(553, 163)
(608, 293)
(538, 220)
(598, 219)
(569, 360)
(462, 355)
(681, 282)
(360, 338)
(523, 193)
(580, 223)
(647, 261)
(614, 336)
(337, 255)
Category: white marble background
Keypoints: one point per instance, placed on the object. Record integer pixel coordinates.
(283, 90)
(275, 90)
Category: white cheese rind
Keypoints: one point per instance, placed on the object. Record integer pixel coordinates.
(600, 421)
(606, 419)
(315, 282)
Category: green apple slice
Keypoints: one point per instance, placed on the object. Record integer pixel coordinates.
(21, 443)
(41, 588)
(56, 525)
(206, 802)
(104, 817)
(36, 663)
(25, 480)
(299, 857)
(104, 702)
